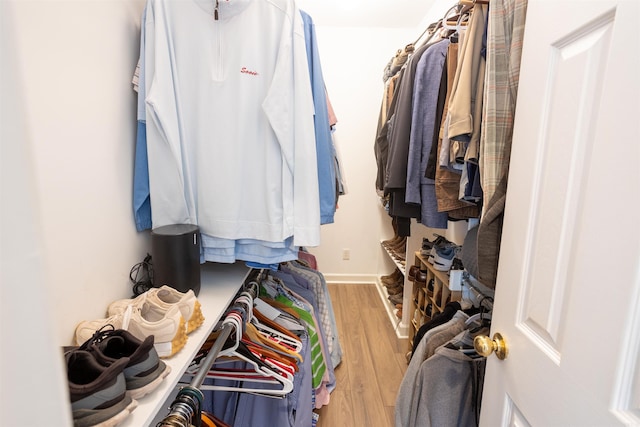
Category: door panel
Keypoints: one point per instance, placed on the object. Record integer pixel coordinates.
(513, 417)
(568, 277)
(564, 145)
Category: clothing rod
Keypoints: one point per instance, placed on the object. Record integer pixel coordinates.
(478, 295)
(249, 286)
(206, 364)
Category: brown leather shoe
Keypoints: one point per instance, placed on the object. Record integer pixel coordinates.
(398, 284)
(413, 270)
(391, 242)
(396, 290)
(392, 278)
(421, 278)
(400, 245)
(396, 299)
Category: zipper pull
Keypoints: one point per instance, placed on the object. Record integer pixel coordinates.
(215, 11)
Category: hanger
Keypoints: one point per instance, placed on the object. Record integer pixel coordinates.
(445, 20)
(273, 349)
(241, 315)
(471, 3)
(263, 370)
(269, 362)
(276, 334)
(481, 318)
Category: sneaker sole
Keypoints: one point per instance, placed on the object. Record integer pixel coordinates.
(168, 349)
(148, 388)
(196, 319)
(91, 418)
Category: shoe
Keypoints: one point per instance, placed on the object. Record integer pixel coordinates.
(394, 287)
(440, 242)
(392, 278)
(98, 394)
(427, 245)
(457, 264)
(391, 242)
(430, 288)
(142, 320)
(396, 299)
(398, 282)
(164, 297)
(400, 250)
(421, 278)
(413, 270)
(395, 290)
(144, 372)
(444, 258)
(425, 249)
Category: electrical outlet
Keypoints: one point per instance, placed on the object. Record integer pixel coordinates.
(346, 254)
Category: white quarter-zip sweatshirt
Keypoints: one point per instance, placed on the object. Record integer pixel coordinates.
(229, 111)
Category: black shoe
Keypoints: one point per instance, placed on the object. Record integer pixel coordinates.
(143, 373)
(98, 393)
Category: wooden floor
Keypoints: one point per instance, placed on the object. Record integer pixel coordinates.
(373, 360)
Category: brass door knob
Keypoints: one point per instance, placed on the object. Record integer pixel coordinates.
(485, 346)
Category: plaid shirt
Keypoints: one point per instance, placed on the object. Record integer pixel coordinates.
(504, 50)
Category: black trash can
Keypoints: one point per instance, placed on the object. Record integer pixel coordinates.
(175, 251)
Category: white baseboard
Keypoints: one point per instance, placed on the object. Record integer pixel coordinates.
(351, 278)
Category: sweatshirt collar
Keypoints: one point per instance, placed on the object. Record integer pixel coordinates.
(225, 8)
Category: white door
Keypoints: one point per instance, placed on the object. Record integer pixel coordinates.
(568, 290)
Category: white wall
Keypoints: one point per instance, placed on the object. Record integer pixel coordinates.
(353, 59)
(28, 348)
(77, 58)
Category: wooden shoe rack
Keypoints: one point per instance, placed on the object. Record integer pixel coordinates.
(425, 302)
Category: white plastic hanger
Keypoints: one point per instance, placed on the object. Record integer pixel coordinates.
(263, 371)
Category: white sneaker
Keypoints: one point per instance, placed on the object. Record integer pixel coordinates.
(164, 298)
(142, 320)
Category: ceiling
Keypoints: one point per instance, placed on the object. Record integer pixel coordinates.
(367, 13)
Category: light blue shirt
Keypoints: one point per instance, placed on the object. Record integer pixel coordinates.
(324, 143)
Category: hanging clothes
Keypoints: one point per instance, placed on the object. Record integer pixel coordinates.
(465, 108)
(419, 189)
(141, 192)
(447, 314)
(324, 143)
(238, 388)
(314, 281)
(443, 382)
(504, 51)
(249, 171)
(462, 79)
(297, 305)
(406, 398)
(448, 388)
(239, 166)
(398, 136)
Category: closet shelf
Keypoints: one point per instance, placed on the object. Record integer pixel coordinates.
(395, 259)
(219, 284)
(422, 297)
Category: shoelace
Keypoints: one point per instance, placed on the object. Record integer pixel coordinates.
(100, 335)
